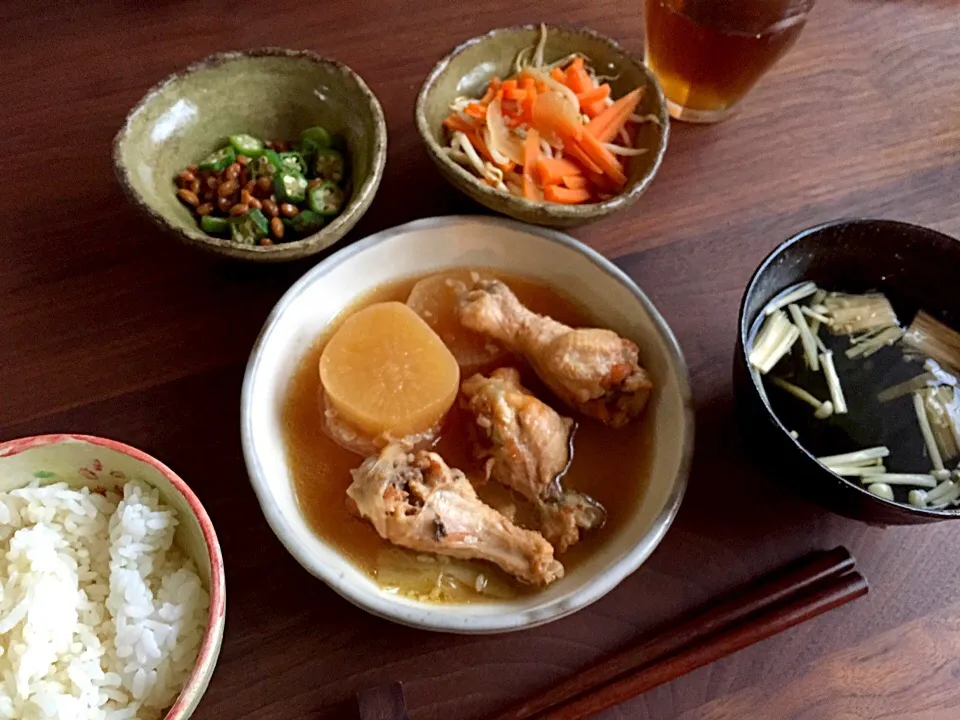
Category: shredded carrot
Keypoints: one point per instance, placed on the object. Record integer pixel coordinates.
(552, 170)
(568, 196)
(599, 93)
(575, 182)
(531, 151)
(491, 92)
(603, 158)
(578, 79)
(456, 123)
(476, 110)
(605, 126)
(557, 74)
(529, 99)
(476, 138)
(576, 153)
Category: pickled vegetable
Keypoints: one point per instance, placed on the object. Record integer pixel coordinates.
(435, 299)
(386, 371)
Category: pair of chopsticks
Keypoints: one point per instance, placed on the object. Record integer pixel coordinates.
(817, 583)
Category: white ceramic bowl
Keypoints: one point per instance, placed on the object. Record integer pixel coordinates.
(432, 245)
(98, 462)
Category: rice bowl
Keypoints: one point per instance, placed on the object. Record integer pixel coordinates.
(107, 609)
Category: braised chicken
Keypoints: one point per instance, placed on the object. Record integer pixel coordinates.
(416, 501)
(593, 370)
(527, 446)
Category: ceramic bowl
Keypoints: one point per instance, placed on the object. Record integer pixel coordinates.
(915, 267)
(432, 245)
(97, 462)
(468, 69)
(270, 93)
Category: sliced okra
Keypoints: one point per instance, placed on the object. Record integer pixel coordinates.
(325, 199)
(213, 225)
(249, 227)
(290, 186)
(328, 165)
(218, 160)
(305, 222)
(293, 161)
(247, 145)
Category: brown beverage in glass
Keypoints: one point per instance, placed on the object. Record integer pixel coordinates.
(708, 53)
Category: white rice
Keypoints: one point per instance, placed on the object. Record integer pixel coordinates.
(101, 616)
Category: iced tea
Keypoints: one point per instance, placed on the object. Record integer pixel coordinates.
(708, 53)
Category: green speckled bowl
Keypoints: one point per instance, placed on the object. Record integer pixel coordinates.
(271, 93)
(467, 71)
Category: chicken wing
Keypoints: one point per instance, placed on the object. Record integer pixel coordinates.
(528, 448)
(593, 370)
(416, 501)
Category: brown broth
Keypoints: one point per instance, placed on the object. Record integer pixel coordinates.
(321, 469)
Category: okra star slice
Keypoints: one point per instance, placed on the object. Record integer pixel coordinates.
(294, 162)
(267, 165)
(328, 165)
(247, 145)
(249, 227)
(217, 161)
(290, 186)
(325, 199)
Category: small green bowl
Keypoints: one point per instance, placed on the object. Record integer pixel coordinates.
(468, 69)
(271, 93)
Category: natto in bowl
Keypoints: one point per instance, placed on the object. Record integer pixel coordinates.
(271, 93)
(468, 69)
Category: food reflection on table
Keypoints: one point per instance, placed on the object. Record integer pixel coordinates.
(468, 417)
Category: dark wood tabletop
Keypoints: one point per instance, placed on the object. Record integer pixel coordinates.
(109, 328)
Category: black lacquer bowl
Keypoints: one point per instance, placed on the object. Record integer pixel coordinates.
(915, 267)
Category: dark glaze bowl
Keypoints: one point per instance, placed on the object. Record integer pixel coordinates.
(916, 267)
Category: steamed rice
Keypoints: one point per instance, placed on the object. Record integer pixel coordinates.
(101, 616)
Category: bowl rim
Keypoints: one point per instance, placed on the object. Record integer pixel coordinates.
(359, 203)
(421, 615)
(743, 331)
(558, 211)
(213, 633)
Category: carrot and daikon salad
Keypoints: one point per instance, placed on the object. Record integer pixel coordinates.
(550, 132)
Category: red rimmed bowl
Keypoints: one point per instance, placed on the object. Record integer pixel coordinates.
(98, 463)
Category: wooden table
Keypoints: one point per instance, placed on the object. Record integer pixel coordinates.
(108, 328)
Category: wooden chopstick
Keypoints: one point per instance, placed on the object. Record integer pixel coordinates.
(832, 594)
(789, 582)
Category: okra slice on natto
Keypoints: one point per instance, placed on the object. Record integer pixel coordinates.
(293, 161)
(247, 145)
(290, 186)
(218, 160)
(249, 227)
(328, 165)
(325, 199)
(305, 222)
(213, 225)
(268, 164)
